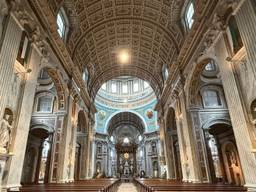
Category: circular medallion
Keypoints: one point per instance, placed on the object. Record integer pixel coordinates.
(150, 113)
(102, 115)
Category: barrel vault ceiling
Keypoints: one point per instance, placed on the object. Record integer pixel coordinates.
(149, 29)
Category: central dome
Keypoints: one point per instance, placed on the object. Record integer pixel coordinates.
(125, 92)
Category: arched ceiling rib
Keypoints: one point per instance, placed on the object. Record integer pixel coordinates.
(148, 28)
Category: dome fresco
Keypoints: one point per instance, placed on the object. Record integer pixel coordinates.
(126, 94)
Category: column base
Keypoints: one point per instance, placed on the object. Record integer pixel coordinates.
(250, 187)
(11, 188)
(71, 181)
(191, 181)
(66, 181)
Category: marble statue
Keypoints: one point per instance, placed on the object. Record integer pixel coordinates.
(5, 134)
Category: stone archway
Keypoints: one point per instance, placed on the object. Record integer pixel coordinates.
(50, 98)
(223, 158)
(77, 161)
(82, 146)
(172, 146)
(55, 75)
(126, 128)
(232, 164)
(36, 168)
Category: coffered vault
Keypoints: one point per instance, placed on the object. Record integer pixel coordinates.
(149, 29)
(125, 118)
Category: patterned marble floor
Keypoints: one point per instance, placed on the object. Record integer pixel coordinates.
(127, 187)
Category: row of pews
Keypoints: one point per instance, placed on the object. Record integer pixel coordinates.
(162, 185)
(92, 185)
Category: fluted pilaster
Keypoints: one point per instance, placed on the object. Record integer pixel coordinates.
(246, 21)
(8, 56)
(19, 143)
(192, 170)
(237, 114)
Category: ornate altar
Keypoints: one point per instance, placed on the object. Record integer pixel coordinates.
(126, 161)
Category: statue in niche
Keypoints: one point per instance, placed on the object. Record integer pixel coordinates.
(186, 165)
(234, 165)
(5, 133)
(131, 169)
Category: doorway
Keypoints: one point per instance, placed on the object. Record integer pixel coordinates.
(36, 167)
(223, 158)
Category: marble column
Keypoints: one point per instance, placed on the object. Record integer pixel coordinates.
(163, 151)
(84, 155)
(8, 54)
(19, 142)
(73, 139)
(66, 145)
(91, 150)
(237, 114)
(169, 154)
(192, 170)
(246, 21)
(182, 146)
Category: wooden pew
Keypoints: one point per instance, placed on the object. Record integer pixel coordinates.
(93, 185)
(161, 185)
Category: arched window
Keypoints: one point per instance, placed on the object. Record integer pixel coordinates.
(45, 103)
(135, 86)
(126, 140)
(86, 75)
(253, 109)
(24, 49)
(113, 87)
(153, 148)
(104, 86)
(141, 153)
(146, 85)
(211, 98)
(62, 24)
(235, 37)
(99, 149)
(165, 72)
(189, 14)
(125, 88)
(210, 66)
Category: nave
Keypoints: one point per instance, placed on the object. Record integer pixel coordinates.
(126, 95)
(127, 187)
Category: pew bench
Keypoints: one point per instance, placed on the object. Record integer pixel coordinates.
(161, 185)
(93, 185)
